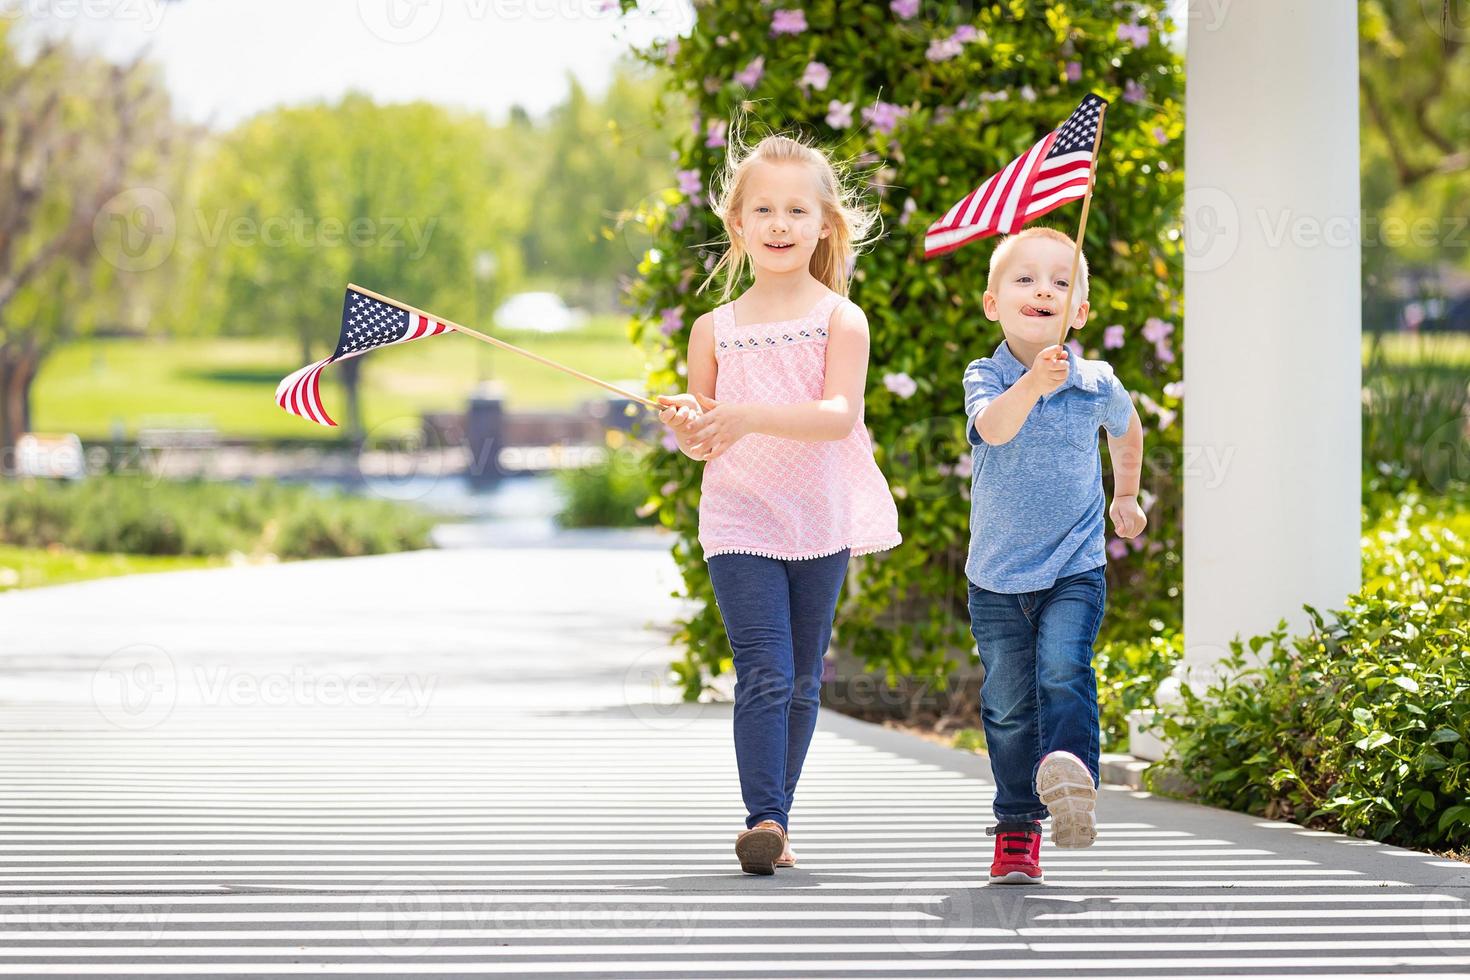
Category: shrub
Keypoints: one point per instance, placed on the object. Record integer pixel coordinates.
(1363, 724)
(610, 493)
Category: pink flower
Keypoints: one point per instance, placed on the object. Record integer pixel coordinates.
(816, 76)
(669, 442)
(1113, 337)
(1155, 330)
(1175, 389)
(751, 74)
(904, 9)
(680, 218)
(714, 133)
(689, 182)
(788, 22)
(909, 207)
(1136, 34)
(943, 49)
(839, 114)
(1075, 348)
(900, 384)
(667, 490)
(672, 321)
(882, 116)
(965, 33)
(1117, 549)
(1160, 136)
(1134, 92)
(671, 51)
(1074, 71)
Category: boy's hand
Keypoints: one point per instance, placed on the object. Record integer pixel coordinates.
(1129, 520)
(1049, 370)
(680, 410)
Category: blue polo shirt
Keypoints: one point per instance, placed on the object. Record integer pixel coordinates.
(1036, 503)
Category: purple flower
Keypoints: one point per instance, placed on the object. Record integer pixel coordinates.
(839, 114)
(900, 384)
(689, 182)
(669, 442)
(1074, 71)
(1160, 136)
(943, 49)
(1134, 92)
(881, 117)
(904, 9)
(1174, 389)
(1075, 348)
(1117, 549)
(816, 76)
(1155, 330)
(751, 74)
(671, 51)
(672, 321)
(788, 22)
(714, 133)
(1113, 337)
(909, 207)
(680, 217)
(1136, 34)
(965, 33)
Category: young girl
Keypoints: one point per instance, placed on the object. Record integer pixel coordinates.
(790, 489)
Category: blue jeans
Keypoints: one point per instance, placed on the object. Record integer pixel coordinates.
(778, 616)
(1040, 691)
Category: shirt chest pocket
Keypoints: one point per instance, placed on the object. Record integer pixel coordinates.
(1078, 422)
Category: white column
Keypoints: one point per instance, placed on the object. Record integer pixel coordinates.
(1272, 321)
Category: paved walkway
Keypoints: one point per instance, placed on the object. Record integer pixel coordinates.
(464, 763)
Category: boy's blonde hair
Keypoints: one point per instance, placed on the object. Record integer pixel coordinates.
(998, 257)
(842, 212)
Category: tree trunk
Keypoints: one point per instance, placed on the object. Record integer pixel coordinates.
(19, 361)
(351, 376)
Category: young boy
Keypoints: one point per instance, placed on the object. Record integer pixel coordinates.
(1037, 555)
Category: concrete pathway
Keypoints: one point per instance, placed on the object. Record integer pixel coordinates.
(467, 763)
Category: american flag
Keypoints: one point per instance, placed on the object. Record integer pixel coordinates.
(367, 324)
(1054, 171)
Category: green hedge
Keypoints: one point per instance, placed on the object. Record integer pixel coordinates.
(925, 100)
(140, 516)
(1363, 724)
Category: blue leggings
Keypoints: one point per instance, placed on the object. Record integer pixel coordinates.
(778, 616)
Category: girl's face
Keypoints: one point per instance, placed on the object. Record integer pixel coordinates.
(780, 219)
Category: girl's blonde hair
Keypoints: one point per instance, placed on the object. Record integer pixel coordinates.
(849, 220)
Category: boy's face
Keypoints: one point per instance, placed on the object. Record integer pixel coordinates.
(780, 220)
(1028, 290)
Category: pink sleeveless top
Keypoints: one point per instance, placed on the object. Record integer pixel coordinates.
(784, 498)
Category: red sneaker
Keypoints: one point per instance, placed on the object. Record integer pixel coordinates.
(1017, 848)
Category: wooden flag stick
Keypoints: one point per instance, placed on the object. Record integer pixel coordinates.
(1082, 230)
(510, 347)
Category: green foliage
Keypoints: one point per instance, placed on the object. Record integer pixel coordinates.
(609, 493)
(1128, 674)
(139, 516)
(1360, 725)
(962, 119)
(1416, 410)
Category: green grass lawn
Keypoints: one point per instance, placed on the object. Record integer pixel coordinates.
(230, 384)
(27, 568)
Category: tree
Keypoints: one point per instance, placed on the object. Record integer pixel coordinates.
(76, 133)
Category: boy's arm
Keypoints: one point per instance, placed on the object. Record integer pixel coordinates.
(998, 422)
(1126, 451)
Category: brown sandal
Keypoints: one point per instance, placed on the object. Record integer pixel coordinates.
(760, 847)
(788, 856)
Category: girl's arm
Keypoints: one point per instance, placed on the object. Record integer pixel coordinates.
(702, 372)
(827, 419)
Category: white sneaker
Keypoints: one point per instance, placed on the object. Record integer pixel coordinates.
(1064, 784)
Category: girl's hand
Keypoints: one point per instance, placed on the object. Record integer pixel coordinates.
(1129, 519)
(720, 426)
(679, 411)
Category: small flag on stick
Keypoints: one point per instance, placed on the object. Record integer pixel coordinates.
(1057, 169)
(367, 324)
